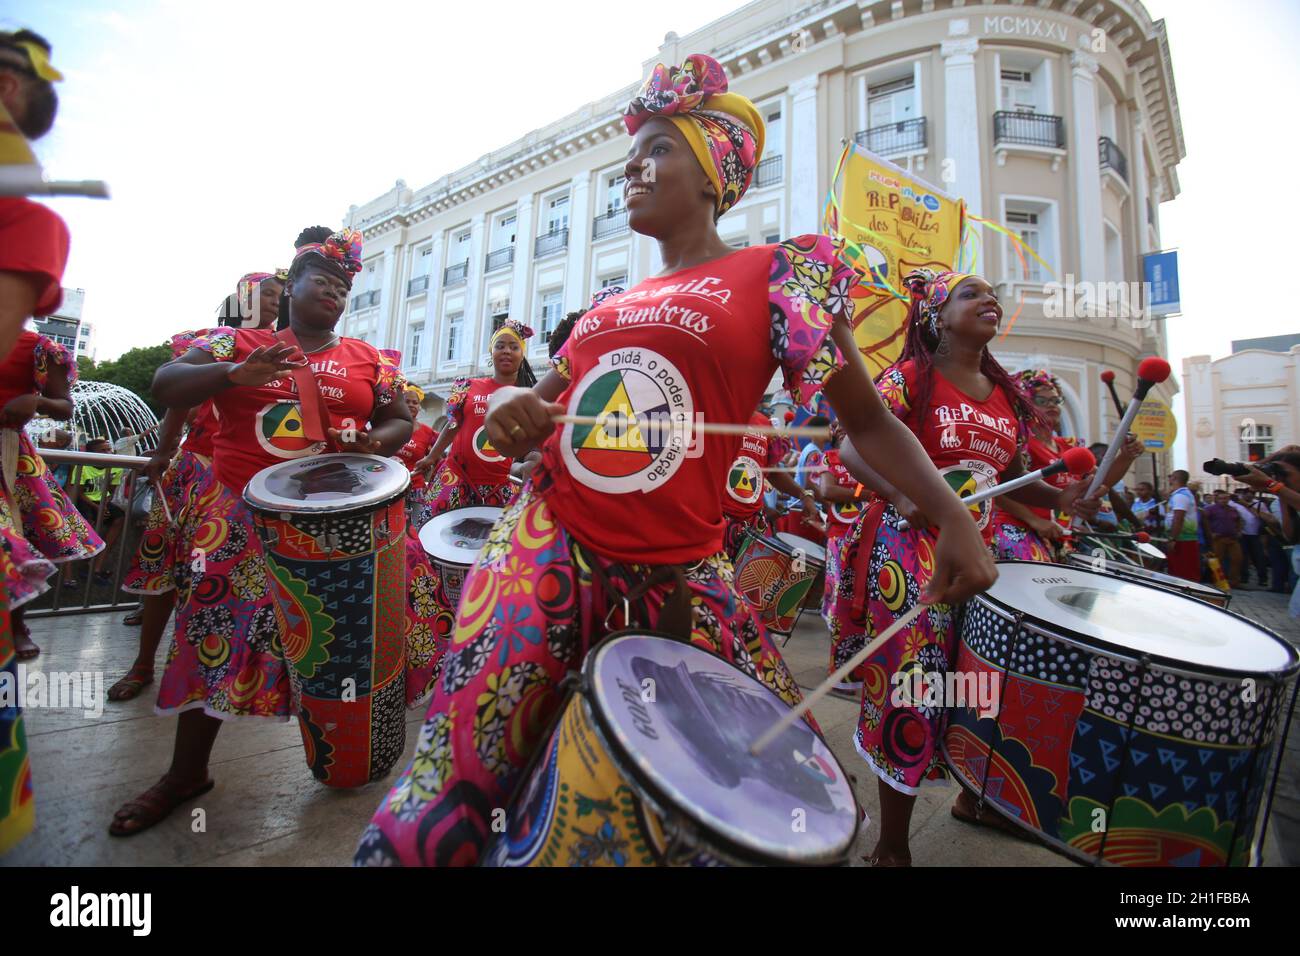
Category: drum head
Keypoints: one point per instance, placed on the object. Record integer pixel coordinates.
(456, 537)
(1137, 618)
(686, 719)
(1203, 591)
(811, 549)
(327, 483)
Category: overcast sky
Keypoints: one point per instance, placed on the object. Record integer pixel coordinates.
(225, 128)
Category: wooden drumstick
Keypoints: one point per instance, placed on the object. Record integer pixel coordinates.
(714, 428)
(826, 686)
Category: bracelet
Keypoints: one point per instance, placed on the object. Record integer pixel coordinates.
(1274, 486)
(808, 493)
(857, 492)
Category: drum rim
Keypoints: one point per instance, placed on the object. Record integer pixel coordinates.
(650, 791)
(434, 557)
(822, 559)
(777, 545)
(1193, 587)
(1047, 628)
(324, 508)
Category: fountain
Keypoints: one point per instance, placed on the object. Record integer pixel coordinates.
(103, 410)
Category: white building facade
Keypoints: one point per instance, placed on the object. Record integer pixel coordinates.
(1057, 118)
(68, 328)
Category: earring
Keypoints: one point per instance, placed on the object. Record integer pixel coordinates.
(942, 347)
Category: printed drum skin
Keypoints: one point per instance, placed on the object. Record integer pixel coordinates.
(766, 577)
(340, 582)
(576, 809)
(1185, 783)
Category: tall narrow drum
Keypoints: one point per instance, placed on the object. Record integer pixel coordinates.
(333, 528)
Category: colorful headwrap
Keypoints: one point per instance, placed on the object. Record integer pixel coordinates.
(725, 130)
(250, 282)
(342, 249)
(36, 57)
(419, 392)
(932, 289)
(1032, 379)
(513, 328)
(600, 295)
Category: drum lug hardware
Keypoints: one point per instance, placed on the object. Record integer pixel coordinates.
(627, 613)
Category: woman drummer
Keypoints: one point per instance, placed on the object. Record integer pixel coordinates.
(742, 493)
(226, 659)
(39, 526)
(620, 527)
(972, 420)
(418, 508)
(469, 471)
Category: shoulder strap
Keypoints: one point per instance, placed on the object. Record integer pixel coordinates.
(315, 420)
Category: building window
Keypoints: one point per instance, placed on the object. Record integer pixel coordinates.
(552, 312)
(1256, 441)
(414, 339)
(775, 136)
(891, 102)
(772, 239)
(620, 281)
(455, 336)
(1035, 224)
(557, 214)
(1024, 83)
(614, 193)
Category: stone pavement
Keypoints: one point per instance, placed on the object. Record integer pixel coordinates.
(266, 809)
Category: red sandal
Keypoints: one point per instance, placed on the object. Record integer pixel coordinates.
(153, 806)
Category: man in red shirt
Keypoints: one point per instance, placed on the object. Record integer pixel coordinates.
(33, 240)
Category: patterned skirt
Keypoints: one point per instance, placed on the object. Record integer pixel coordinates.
(882, 571)
(226, 656)
(530, 613)
(24, 572)
(151, 568)
(844, 641)
(419, 507)
(47, 519)
(17, 806)
(733, 535)
(1013, 541)
(449, 489)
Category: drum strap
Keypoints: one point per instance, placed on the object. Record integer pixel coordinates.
(315, 420)
(675, 617)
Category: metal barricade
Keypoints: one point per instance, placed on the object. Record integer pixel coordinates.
(76, 589)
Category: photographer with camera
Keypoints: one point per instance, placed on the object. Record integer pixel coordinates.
(1278, 475)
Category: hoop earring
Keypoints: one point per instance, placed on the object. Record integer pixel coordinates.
(942, 347)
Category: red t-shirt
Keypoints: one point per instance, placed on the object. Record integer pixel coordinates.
(470, 450)
(743, 492)
(1041, 454)
(34, 241)
(198, 439)
(971, 442)
(416, 447)
(263, 426)
(25, 369)
(701, 343)
(841, 514)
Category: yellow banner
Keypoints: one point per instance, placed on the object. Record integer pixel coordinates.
(891, 223)
(1155, 425)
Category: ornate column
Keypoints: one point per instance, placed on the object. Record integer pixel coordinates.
(961, 132)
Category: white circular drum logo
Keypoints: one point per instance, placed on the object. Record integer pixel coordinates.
(483, 448)
(642, 411)
(280, 431)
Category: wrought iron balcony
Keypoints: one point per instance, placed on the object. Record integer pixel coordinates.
(1112, 157)
(455, 275)
(551, 242)
(610, 224)
(906, 136)
(417, 285)
(769, 171)
(1028, 129)
(500, 258)
(365, 300)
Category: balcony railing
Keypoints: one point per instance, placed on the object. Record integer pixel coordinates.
(500, 258)
(905, 136)
(1028, 129)
(365, 300)
(417, 285)
(610, 224)
(551, 242)
(1112, 157)
(769, 171)
(454, 275)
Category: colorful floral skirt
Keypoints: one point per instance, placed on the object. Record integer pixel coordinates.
(882, 571)
(733, 535)
(1013, 541)
(50, 522)
(24, 572)
(530, 612)
(226, 655)
(419, 507)
(449, 489)
(845, 642)
(151, 568)
(17, 806)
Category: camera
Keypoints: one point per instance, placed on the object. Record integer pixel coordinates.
(1236, 469)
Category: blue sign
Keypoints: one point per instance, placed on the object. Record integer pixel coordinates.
(1160, 270)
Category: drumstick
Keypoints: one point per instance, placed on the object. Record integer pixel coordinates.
(1109, 378)
(1152, 370)
(714, 428)
(1078, 461)
(829, 683)
(28, 180)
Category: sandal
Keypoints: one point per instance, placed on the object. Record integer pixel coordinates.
(135, 618)
(887, 861)
(153, 806)
(24, 648)
(128, 688)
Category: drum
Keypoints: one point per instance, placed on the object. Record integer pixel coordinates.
(453, 540)
(333, 527)
(1191, 589)
(1120, 722)
(649, 765)
(775, 574)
